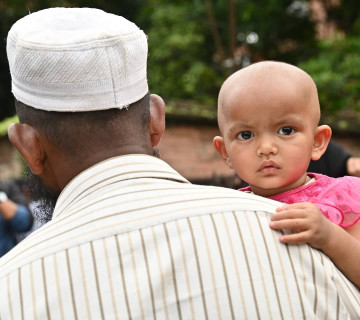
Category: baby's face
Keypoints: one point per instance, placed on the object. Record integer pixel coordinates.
(268, 136)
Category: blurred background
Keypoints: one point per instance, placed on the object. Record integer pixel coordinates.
(195, 44)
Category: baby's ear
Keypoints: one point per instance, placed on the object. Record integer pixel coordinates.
(321, 140)
(219, 145)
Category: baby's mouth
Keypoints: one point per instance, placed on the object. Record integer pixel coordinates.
(269, 167)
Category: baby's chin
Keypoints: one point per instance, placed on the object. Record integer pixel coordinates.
(273, 185)
(269, 188)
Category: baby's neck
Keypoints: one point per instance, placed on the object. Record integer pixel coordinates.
(271, 192)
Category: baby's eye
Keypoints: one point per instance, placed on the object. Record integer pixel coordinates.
(286, 131)
(245, 135)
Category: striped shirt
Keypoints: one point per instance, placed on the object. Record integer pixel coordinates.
(132, 239)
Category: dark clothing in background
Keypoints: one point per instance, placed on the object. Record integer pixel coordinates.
(14, 190)
(333, 162)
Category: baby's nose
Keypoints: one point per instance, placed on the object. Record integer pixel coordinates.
(267, 147)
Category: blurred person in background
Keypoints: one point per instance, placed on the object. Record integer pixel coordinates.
(15, 216)
(336, 162)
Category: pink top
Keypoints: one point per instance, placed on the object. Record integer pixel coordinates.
(337, 198)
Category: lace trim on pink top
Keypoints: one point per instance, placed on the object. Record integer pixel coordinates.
(337, 198)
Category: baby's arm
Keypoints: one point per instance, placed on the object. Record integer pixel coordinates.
(342, 247)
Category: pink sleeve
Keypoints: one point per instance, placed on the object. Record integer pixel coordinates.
(339, 201)
(337, 198)
(245, 189)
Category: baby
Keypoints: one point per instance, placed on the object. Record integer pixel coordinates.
(268, 115)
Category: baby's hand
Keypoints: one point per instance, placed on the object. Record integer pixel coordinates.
(306, 220)
(353, 166)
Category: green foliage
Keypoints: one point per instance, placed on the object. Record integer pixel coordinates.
(184, 62)
(6, 123)
(336, 72)
(190, 109)
(182, 53)
(345, 15)
(284, 28)
(179, 67)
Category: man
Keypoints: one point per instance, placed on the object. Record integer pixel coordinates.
(129, 236)
(15, 216)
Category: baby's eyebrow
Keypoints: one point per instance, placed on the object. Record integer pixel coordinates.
(290, 120)
(240, 126)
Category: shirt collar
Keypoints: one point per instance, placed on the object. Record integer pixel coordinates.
(114, 170)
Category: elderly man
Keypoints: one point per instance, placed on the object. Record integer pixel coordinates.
(130, 237)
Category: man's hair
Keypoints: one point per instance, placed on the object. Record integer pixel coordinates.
(68, 130)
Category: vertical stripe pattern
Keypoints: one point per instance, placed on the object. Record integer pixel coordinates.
(132, 239)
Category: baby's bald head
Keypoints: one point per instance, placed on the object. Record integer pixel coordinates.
(267, 80)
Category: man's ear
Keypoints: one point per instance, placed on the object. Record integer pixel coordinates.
(321, 140)
(219, 145)
(25, 139)
(157, 119)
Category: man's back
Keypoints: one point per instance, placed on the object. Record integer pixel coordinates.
(130, 238)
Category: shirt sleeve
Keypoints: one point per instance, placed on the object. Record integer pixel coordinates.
(339, 201)
(22, 221)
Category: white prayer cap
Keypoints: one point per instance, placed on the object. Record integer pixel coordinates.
(77, 59)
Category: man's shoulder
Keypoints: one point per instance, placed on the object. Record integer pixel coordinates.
(232, 197)
(118, 213)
